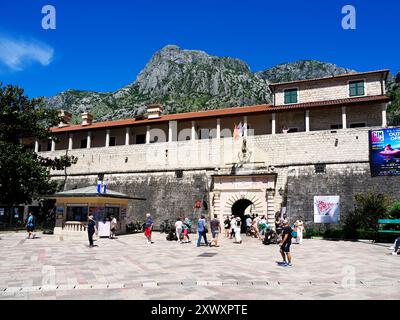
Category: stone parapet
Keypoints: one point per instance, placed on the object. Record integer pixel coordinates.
(332, 146)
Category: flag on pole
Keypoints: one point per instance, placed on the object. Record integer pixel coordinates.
(105, 186)
(99, 183)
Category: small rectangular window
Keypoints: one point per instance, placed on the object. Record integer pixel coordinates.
(291, 130)
(336, 126)
(290, 96)
(357, 125)
(140, 138)
(179, 174)
(320, 168)
(83, 143)
(356, 88)
(113, 141)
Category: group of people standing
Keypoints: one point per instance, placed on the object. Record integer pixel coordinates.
(233, 228)
(257, 226)
(182, 229)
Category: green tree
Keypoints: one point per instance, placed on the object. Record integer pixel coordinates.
(368, 208)
(24, 175)
(394, 210)
(394, 107)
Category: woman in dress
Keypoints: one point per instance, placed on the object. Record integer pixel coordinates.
(300, 230)
(238, 229)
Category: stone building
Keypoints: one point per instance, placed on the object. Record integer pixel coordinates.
(313, 140)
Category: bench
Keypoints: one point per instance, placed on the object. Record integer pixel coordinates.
(388, 228)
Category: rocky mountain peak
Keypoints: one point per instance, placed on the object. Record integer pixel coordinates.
(190, 80)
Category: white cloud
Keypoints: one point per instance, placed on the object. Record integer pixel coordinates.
(18, 54)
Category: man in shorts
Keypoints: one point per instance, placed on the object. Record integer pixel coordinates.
(148, 228)
(215, 226)
(285, 245)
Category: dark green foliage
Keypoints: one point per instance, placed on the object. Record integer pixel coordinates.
(334, 233)
(23, 174)
(394, 210)
(369, 207)
(394, 107)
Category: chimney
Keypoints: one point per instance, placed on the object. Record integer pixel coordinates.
(154, 111)
(65, 120)
(87, 119)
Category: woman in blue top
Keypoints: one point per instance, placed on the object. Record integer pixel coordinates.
(30, 226)
(201, 228)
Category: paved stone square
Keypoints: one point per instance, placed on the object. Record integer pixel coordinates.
(50, 267)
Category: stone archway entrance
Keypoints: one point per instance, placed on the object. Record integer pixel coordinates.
(241, 208)
(234, 194)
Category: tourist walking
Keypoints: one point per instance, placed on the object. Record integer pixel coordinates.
(263, 226)
(148, 228)
(215, 227)
(254, 226)
(285, 245)
(396, 247)
(30, 226)
(202, 230)
(113, 225)
(232, 227)
(227, 226)
(185, 229)
(300, 230)
(238, 229)
(92, 229)
(178, 229)
(249, 222)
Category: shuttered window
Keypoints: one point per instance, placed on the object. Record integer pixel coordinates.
(356, 88)
(290, 96)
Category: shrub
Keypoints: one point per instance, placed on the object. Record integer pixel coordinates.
(352, 222)
(365, 234)
(368, 208)
(334, 234)
(394, 210)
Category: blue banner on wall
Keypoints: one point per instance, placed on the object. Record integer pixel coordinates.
(384, 152)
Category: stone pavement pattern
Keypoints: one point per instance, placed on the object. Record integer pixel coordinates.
(50, 267)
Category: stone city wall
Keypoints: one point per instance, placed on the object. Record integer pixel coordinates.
(145, 170)
(348, 145)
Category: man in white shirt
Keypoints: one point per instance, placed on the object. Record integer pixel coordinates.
(178, 229)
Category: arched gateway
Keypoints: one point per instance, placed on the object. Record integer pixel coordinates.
(238, 195)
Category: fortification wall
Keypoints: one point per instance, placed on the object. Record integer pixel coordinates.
(349, 145)
(344, 180)
(144, 170)
(167, 197)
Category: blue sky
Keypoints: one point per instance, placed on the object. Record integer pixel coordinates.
(102, 45)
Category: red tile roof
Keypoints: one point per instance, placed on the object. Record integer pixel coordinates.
(257, 109)
(169, 117)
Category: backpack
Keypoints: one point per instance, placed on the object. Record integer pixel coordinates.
(294, 233)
